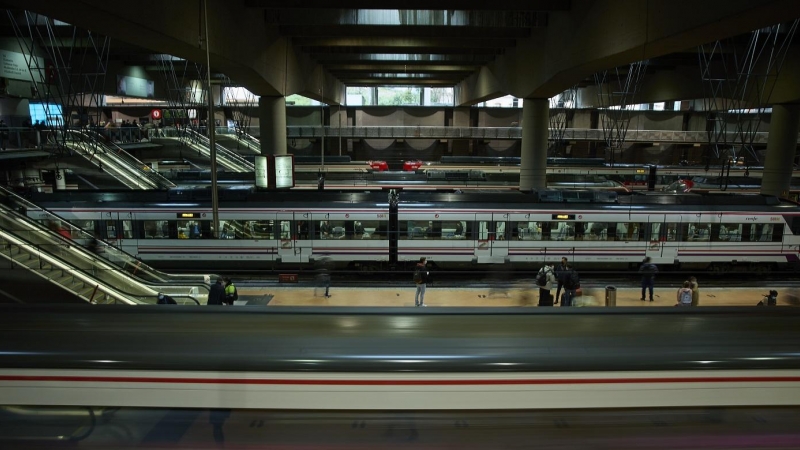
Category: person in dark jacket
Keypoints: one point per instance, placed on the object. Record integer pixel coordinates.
(648, 271)
(560, 277)
(216, 296)
(164, 299)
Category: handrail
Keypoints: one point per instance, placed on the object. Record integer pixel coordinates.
(233, 157)
(123, 260)
(139, 166)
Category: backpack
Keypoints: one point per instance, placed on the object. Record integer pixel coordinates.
(686, 297)
(417, 275)
(541, 278)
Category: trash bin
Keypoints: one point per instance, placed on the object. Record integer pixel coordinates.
(611, 296)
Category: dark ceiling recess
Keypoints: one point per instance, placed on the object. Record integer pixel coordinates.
(426, 43)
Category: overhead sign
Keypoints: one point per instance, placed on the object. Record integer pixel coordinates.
(15, 66)
(155, 114)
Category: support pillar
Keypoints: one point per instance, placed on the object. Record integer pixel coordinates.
(781, 149)
(533, 164)
(272, 125)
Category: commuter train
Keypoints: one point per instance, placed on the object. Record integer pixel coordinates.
(380, 230)
(291, 377)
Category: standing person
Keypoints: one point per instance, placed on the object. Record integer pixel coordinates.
(572, 281)
(231, 294)
(216, 295)
(560, 268)
(323, 278)
(695, 291)
(648, 271)
(164, 299)
(545, 279)
(685, 294)
(324, 230)
(421, 279)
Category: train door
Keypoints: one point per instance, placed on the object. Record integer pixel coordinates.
(117, 228)
(282, 231)
(483, 234)
(661, 238)
(301, 236)
(502, 234)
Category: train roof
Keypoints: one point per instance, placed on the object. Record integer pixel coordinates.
(367, 340)
(590, 199)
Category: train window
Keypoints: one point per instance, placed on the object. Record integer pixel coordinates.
(127, 229)
(285, 227)
(730, 232)
(562, 231)
(86, 225)
(500, 231)
(595, 231)
(629, 231)
(655, 231)
(156, 229)
(672, 232)
(483, 231)
(699, 232)
(111, 230)
(189, 229)
(453, 229)
(253, 229)
(766, 232)
(528, 231)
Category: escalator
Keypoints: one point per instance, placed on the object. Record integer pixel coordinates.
(112, 159)
(227, 159)
(91, 269)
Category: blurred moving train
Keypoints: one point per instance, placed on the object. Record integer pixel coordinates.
(174, 377)
(376, 230)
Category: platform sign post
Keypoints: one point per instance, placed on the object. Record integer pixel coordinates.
(274, 172)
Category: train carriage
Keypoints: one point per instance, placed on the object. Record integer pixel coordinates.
(295, 229)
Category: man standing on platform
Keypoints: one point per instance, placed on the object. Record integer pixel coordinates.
(216, 295)
(560, 269)
(648, 271)
(421, 280)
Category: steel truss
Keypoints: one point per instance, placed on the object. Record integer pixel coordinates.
(617, 91)
(562, 111)
(67, 65)
(738, 79)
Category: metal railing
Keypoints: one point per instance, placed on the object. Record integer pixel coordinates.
(92, 256)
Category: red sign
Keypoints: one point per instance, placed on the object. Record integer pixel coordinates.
(155, 114)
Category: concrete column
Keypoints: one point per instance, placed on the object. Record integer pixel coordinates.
(781, 149)
(61, 182)
(272, 125)
(535, 122)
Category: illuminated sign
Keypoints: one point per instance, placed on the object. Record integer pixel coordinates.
(155, 114)
(262, 177)
(188, 215)
(284, 171)
(641, 171)
(563, 216)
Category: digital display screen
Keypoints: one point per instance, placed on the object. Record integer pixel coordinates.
(188, 215)
(563, 216)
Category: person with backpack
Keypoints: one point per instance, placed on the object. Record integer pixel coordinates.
(685, 294)
(572, 282)
(421, 280)
(231, 294)
(545, 279)
(648, 271)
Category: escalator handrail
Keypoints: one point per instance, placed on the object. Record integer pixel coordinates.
(123, 171)
(12, 200)
(233, 156)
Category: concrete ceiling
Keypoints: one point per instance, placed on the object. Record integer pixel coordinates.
(530, 49)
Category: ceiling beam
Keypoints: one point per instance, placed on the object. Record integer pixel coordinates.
(406, 50)
(359, 58)
(431, 31)
(429, 5)
(407, 42)
(399, 68)
(397, 82)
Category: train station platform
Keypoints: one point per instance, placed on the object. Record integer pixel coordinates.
(492, 297)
